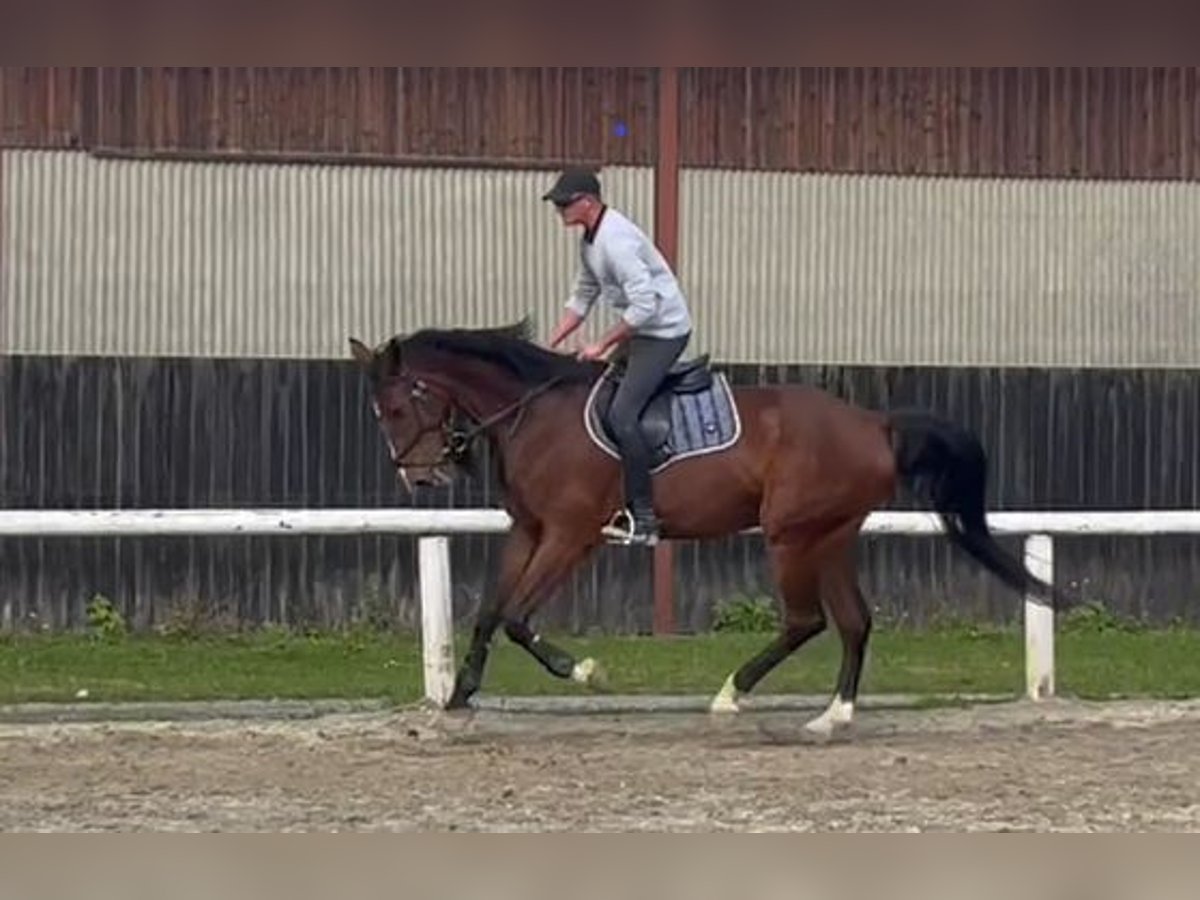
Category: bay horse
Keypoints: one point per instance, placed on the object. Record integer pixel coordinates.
(804, 466)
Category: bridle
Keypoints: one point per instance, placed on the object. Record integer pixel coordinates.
(456, 442)
(419, 394)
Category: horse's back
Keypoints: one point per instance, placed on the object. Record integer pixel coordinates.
(810, 402)
(828, 436)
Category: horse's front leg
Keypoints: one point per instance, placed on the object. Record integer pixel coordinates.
(556, 555)
(470, 674)
(532, 567)
(554, 659)
(518, 550)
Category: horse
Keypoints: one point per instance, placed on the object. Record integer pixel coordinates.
(802, 465)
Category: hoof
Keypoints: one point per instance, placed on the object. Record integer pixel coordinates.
(590, 674)
(836, 718)
(457, 703)
(820, 728)
(725, 701)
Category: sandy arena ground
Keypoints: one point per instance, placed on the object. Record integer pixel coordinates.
(1014, 766)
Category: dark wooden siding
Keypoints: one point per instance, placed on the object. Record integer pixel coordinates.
(1098, 122)
(481, 113)
(1104, 122)
(107, 433)
(41, 106)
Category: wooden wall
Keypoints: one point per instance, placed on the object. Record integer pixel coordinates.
(151, 432)
(1062, 122)
(1098, 122)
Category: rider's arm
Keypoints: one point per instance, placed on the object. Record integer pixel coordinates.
(567, 324)
(618, 334)
(634, 275)
(584, 294)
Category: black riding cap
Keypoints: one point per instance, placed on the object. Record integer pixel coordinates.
(571, 184)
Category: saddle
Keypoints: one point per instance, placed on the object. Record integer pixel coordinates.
(687, 376)
(692, 412)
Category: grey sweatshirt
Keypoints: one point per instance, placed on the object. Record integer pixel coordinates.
(621, 264)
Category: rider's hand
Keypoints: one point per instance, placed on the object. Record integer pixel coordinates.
(592, 352)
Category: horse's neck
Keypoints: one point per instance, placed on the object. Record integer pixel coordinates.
(482, 393)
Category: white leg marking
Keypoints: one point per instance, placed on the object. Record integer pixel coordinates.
(839, 713)
(584, 670)
(404, 478)
(726, 699)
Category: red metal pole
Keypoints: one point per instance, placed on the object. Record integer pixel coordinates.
(666, 236)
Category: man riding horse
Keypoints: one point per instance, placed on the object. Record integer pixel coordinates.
(803, 466)
(619, 263)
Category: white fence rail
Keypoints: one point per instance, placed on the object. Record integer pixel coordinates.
(435, 526)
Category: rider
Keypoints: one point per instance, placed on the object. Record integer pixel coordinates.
(621, 264)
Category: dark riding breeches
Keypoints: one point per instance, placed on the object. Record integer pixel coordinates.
(647, 361)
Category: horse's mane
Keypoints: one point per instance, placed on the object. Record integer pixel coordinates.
(510, 347)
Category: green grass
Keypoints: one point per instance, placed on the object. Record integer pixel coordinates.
(1092, 662)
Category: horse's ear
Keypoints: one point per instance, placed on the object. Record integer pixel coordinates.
(392, 353)
(362, 354)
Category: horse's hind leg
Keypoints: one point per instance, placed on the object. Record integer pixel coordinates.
(799, 587)
(844, 603)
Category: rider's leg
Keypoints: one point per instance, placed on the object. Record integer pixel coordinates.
(647, 361)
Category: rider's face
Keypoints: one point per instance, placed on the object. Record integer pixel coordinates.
(576, 211)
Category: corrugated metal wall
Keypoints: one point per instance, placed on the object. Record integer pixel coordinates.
(791, 268)
(198, 259)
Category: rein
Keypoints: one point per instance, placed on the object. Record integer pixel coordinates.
(458, 441)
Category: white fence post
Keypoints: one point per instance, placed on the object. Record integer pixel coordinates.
(437, 620)
(1039, 621)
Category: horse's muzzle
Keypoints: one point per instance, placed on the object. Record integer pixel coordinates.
(423, 476)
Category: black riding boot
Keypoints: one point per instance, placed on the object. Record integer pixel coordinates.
(646, 362)
(637, 523)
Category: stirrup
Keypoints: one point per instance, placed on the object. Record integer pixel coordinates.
(623, 529)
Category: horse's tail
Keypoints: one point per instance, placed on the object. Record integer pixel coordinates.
(946, 465)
